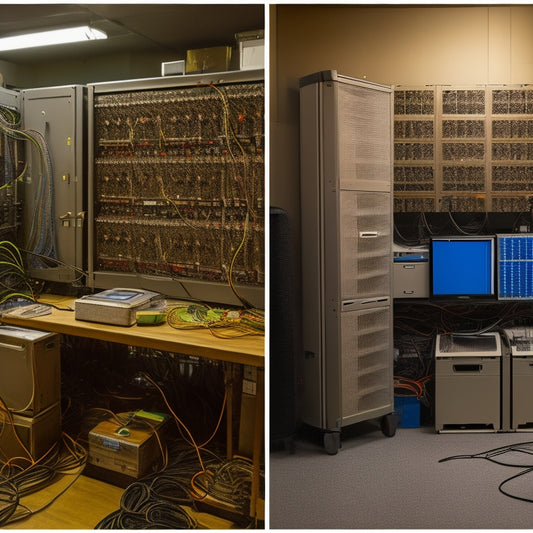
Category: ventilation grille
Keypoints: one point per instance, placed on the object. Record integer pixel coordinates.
(366, 361)
(364, 137)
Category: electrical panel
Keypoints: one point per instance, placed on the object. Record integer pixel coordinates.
(176, 186)
(463, 149)
(11, 151)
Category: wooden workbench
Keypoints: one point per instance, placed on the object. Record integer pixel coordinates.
(249, 350)
(243, 350)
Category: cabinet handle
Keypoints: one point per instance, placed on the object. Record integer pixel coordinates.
(12, 347)
(368, 234)
(467, 368)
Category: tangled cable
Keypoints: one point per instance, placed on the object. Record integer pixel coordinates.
(22, 475)
(164, 500)
(41, 237)
(148, 506)
(13, 279)
(223, 323)
(413, 387)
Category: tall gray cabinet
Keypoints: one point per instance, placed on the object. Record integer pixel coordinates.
(347, 221)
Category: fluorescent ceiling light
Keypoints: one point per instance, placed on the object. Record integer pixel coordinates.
(46, 38)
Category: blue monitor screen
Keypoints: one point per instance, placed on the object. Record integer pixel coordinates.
(463, 266)
(515, 267)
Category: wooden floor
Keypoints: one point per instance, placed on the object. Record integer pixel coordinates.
(83, 504)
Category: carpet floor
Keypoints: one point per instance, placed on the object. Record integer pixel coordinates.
(378, 482)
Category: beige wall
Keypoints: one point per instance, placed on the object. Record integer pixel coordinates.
(395, 45)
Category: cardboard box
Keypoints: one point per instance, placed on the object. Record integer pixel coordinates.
(38, 434)
(214, 59)
(131, 449)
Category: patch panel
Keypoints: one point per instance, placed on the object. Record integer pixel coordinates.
(413, 129)
(413, 178)
(512, 101)
(463, 102)
(414, 102)
(463, 129)
(414, 204)
(463, 178)
(510, 203)
(179, 182)
(457, 151)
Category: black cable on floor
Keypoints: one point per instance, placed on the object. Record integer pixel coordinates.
(490, 456)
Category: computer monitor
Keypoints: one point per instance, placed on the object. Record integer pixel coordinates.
(463, 267)
(515, 266)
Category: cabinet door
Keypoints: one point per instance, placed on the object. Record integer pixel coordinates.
(365, 138)
(366, 363)
(57, 115)
(365, 244)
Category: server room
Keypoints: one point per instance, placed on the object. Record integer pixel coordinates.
(132, 269)
(401, 340)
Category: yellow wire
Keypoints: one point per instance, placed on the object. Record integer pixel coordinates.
(168, 199)
(227, 132)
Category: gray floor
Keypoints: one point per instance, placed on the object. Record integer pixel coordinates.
(377, 482)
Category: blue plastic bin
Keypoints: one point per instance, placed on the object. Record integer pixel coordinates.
(408, 407)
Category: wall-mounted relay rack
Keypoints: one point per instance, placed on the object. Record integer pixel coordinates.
(176, 190)
(463, 148)
(10, 155)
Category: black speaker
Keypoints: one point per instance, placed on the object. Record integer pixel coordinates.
(282, 341)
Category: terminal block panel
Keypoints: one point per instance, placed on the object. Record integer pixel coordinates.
(178, 183)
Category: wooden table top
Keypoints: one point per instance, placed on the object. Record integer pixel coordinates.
(248, 350)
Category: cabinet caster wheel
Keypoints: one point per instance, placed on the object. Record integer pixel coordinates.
(332, 442)
(389, 423)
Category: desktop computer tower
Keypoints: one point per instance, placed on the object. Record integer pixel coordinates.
(30, 392)
(30, 380)
(468, 391)
(346, 209)
(521, 355)
(522, 387)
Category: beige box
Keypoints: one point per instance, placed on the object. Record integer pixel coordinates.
(30, 380)
(411, 279)
(251, 49)
(117, 307)
(214, 59)
(38, 434)
(129, 450)
(173, 68)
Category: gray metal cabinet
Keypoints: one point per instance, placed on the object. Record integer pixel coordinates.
(346, 204)
(54, 204)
